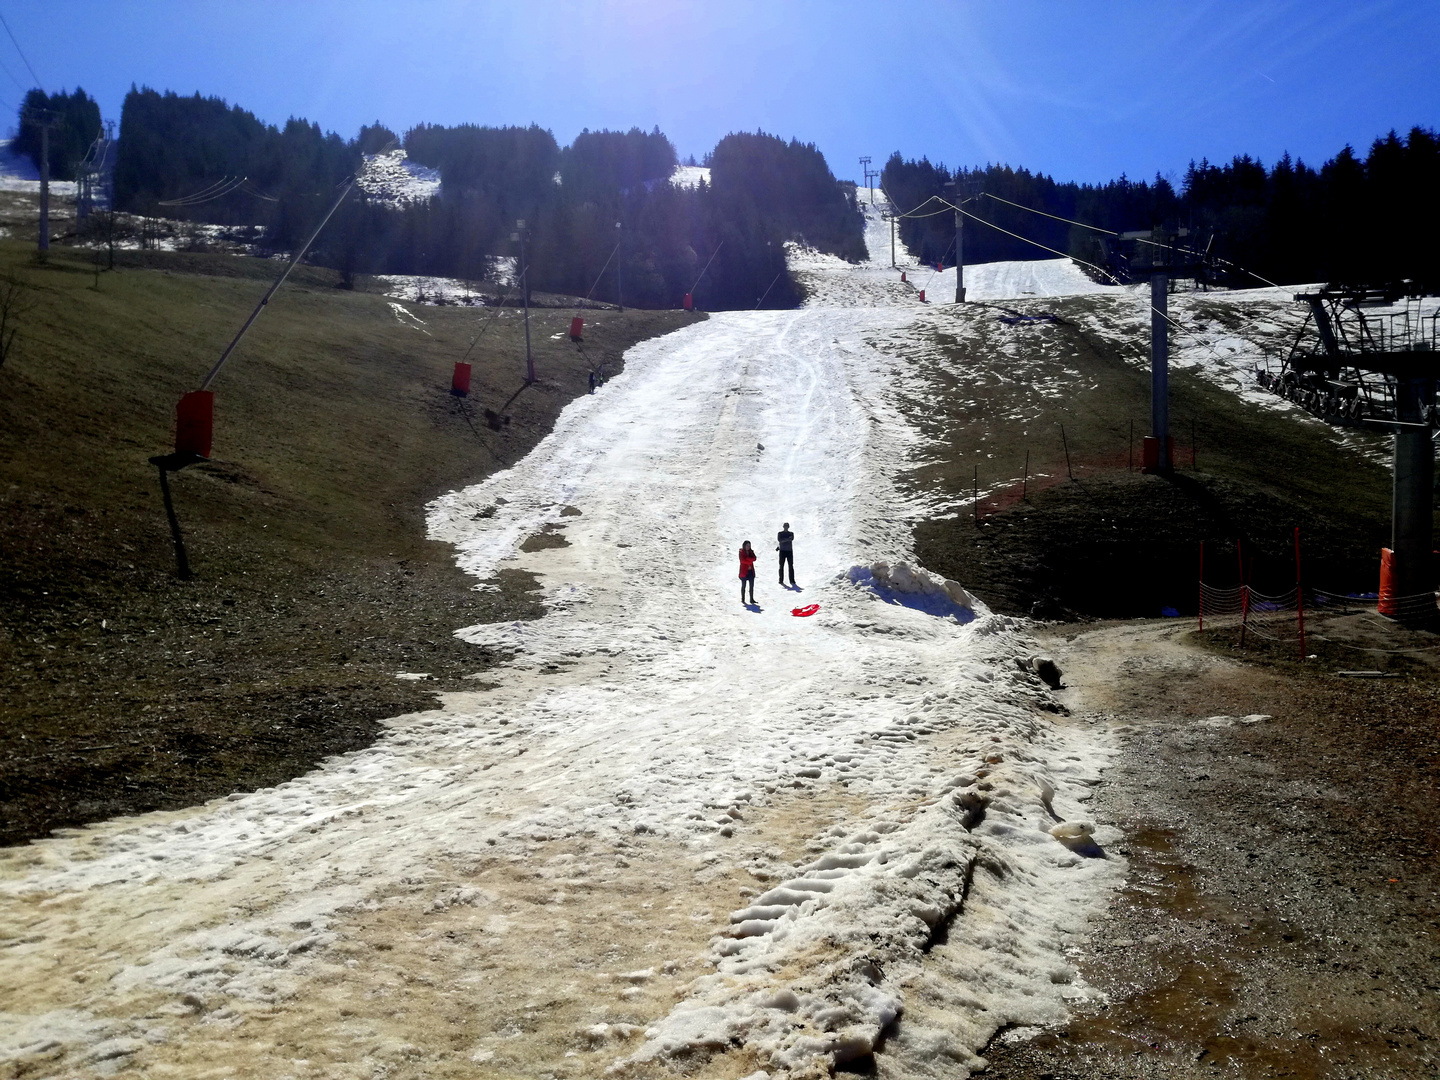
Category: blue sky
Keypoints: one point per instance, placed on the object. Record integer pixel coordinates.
(1080, 89)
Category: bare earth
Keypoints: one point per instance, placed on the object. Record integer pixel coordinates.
(1280, 915)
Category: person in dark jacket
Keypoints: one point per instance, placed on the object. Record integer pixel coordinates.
(785, 545)
(747, 570)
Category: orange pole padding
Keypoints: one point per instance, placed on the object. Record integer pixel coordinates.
(1387, 604)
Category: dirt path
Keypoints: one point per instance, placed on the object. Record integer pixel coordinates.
(1280, 917)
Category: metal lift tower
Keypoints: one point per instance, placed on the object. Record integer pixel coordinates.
(1370, 357)
(1157, 256)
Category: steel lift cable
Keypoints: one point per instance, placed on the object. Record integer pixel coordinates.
(206, 194)
(29, 67)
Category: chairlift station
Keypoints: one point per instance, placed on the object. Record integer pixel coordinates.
(1370, 357)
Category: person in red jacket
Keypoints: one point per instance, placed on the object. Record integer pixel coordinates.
(747, 570)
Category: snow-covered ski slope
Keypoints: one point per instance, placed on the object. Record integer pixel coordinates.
(674, 832)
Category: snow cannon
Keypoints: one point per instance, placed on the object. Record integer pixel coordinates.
(577, 324)
(460, 381)
(195, 423)
(689, 302)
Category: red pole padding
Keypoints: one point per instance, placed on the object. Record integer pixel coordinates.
(689, 302)
(460, 382)
(1386, 604)
(902, 276)
(922, 296)
(577, 324)
(1299, 594)
(195, 423)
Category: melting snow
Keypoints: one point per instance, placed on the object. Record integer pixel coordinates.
(648, 712)
(393, 178)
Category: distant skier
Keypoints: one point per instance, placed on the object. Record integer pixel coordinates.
(747, 570)
(592, 381)
(785, 545)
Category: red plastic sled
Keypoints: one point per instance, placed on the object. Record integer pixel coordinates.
(808, 609)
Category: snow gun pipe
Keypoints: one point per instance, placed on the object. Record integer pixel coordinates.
(498, 308)
(707, 267)
(600, 275)
(767, 290)
(271, 291)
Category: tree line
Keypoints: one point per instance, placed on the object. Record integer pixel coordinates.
(75, 120)
(602, 203)
(1353, 220)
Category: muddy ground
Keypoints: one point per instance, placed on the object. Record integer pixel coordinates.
(1280, 917)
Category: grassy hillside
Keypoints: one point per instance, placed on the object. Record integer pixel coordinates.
(123, 687)
(1113, 542)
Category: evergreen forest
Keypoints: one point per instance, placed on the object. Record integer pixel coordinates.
(75, 121)
(601, 217)
(602, 220)
(1350, 221)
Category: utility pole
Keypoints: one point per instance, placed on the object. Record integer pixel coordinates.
(519, 235)
(959, 242)
(865, 167)
(892, 238)
(1160, 356)
(44, 119)
(619, 268)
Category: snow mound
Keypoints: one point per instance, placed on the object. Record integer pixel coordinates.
(811, 974)
(689, 176)
(916, 587)
(392, 178)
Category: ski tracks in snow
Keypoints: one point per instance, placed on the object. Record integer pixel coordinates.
(841, 822)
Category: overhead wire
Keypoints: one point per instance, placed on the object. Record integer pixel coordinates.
(1042, 213)
(1171, 320)
(1138, 239)
(38, 84)
(23, 88)
(250, 189)
(207, 194)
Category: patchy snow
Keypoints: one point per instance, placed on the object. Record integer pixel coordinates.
(427, 289)
(650, 725)
(877, 282)
(19, 173)
(689, 176)
(391, 177)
